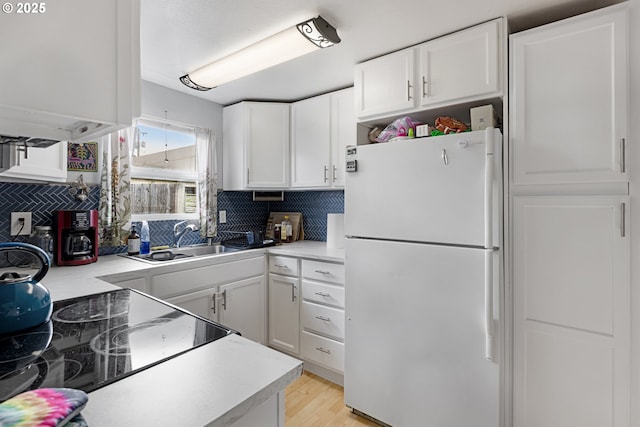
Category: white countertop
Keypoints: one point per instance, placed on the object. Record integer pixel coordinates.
(212, 385)
(309, 249)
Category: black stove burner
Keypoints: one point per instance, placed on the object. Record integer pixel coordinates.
(95, 340)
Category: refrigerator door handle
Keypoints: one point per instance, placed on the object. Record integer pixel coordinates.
(488, 303)
(488, 189)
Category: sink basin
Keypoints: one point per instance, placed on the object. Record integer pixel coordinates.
(175, 254)
(203, 250)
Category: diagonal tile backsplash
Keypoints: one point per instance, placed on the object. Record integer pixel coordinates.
(243, 214)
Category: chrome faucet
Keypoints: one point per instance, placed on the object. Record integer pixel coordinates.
(179, 234)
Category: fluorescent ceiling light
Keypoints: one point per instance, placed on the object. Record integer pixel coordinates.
(316, 33)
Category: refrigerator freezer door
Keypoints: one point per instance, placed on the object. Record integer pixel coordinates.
(415, 335)
(427, 190)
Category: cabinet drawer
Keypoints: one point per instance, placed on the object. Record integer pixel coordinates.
(327, 272)
(322, 319)
(324, 351)
(283, 265)
(323, 293)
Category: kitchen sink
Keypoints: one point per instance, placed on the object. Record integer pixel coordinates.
(176, 254)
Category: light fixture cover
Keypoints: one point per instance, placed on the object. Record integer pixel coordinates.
(274, 50)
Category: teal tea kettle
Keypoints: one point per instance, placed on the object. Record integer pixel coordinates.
(24, 301)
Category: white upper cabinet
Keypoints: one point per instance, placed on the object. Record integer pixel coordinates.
(568, 91)
(460, 66)
(385, 85)
(321, 128)
(71, 71)
(311, 142)
(343, 132)
(255, 146)
(39, 164)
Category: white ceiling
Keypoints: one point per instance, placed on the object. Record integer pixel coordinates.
(179, 36)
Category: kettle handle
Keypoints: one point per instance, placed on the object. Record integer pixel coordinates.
(32, 249)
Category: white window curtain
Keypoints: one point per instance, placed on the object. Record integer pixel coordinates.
(207, 182)
(115, 188)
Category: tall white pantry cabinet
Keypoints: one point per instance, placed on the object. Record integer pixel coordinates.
(569, 229)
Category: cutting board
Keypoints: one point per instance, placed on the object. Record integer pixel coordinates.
(296, 224)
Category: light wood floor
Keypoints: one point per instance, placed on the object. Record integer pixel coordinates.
(311, 401)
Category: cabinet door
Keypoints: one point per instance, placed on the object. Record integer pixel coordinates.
(43, 164)
(81, 73)
(200, 303)
(266, 144)
(385, 85)
(284, 313)
(243, 307)
(461, 65)
(568, 91)
(571, 311)
(311, 142)
(343, 132)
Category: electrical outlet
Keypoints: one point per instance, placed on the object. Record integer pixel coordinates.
(17, 226)
(222, 217)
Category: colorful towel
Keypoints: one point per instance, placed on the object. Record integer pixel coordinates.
(44, 407)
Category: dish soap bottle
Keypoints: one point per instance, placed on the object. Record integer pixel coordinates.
(145, 244)
(133, 242)
(286, 230)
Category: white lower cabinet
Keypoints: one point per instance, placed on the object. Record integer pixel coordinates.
(237, 305)
(233, 294)
(312, 326)
(571, 267)
(284, 330)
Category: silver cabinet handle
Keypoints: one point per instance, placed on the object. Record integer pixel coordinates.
(323, 350)
(424, 87)
(622, 219)
(324, 319)
(224, 300)
(324, 272)
(213, 303)
(247, 176)
(285, 266)
(623, 149)
(326, 169)
(409, 90)
(334, 173)
(323, 294)
(293, 292)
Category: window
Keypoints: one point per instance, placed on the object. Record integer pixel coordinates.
(163, 172)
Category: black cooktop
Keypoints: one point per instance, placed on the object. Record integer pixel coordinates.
(94, 340)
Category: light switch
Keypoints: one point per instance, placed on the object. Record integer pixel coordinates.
(222, 217)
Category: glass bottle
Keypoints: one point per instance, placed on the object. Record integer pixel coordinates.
(133, 242)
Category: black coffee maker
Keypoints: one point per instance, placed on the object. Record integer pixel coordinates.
(76, 239)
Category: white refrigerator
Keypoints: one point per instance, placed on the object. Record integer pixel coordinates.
(423, 280)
